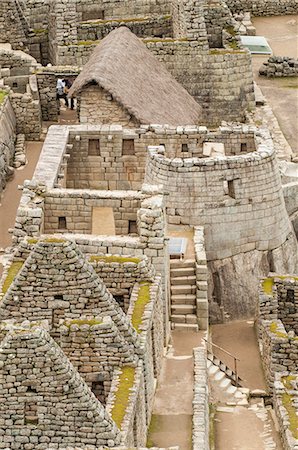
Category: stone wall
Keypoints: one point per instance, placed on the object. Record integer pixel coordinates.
(220, 79)
(7, 141)
(201, 279)
(50, 391)
(47, 81)
(279, 349)
(280, 66)
(277, 322)
(77, 207)
(13, 26)
(27, 110)
(264, 7)
(285, 400)
(132, 422)
(200, 430)
(98, 107)
(156, 26)
(223, 193)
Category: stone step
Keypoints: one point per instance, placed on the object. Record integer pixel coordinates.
(231, 389)
(178, 318)
(188, 299)
(182, 309)
(184, 281)
(185, 326)
(183, 289)
(213, 370)
(179, 264)
(225, 383)
(183, 272)
(219, 376)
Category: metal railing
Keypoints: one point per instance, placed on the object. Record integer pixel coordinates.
(235, 359)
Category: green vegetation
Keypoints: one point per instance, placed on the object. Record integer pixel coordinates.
(114, 259)
(80, 322)
(3, 94)
(226, 51)
(291, 410)
(54, 240)
(154, 427)
(32, 241)
(234, 44)
(140, 305)
(287, 381)
(212, 411)
(274, 329)
(165, 40)
(86, 43)
(40, 31)
(267, 286)
(12, 272)
(126, 382)
(231, 30)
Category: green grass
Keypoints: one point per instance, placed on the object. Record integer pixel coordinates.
(54, 240)
(3, 94)
(140, 305)
(114, 259)
(12, 272)
(126, 382)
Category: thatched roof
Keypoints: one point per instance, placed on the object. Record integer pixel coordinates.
(123, 66)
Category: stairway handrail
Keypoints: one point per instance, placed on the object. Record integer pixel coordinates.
(222, 349)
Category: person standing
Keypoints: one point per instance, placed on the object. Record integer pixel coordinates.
(60, 91)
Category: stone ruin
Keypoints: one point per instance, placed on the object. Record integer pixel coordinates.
(85, 304)
(278, 337)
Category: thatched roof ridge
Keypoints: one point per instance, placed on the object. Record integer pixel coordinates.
(123, 66)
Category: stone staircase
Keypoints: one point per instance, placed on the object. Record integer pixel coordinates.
(183, 294)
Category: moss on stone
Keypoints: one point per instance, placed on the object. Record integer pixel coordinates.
(126, 382)
(3, 94)
(12, 272)
(287, 381)
(87, 43)
(32, 241)
(267, 285)
(126, 20)
(54, 240)
(114, 259)
(40, 31)
(80, 322)
(292, 415)
(226, 51)
(231, 30)
(140, 305)
(274, 329)
(165, 40)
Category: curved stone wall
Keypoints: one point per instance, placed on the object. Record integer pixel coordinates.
(238, 199)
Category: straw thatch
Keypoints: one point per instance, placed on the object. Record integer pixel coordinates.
(123, 66)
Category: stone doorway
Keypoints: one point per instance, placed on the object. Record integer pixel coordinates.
(103, 222)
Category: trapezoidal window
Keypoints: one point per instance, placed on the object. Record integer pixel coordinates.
(231, 188)
(93, 147)
(128, 147)
(30, 413)
(132, 227)
(290, 295)
(120, 300)
(184, 148)
(243, 147)
(98, 390)
(62, 223)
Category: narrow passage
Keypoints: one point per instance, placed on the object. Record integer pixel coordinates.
(171, 423)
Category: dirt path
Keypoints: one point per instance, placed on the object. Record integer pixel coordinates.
(171, 423)
(243, 428)
(11, 196)
(281, 93)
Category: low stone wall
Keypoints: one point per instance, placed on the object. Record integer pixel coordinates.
(7, 140)
(264, 7)
(279, 349)
(47, 81)
(285, 401)
(201, 278)
(27, 110)
(158, 26)
(280, 66)
(126, 405)
(200, 421)
(146, 312)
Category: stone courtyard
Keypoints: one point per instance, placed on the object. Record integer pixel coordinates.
(148, 217)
